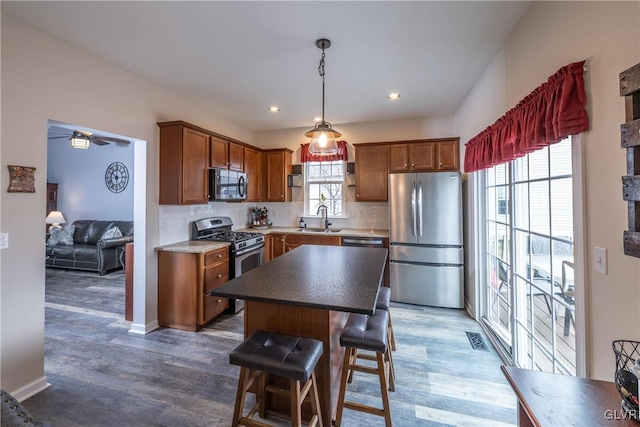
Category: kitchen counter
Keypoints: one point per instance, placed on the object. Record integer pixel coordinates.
(310, 292)
(352, 232)
(336, 278)
(193, 246)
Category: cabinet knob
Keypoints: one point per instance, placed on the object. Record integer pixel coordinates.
(405, 165)
(413, 164)
(218, 301)
(219, 255)
(282, 240)
(357, 195)
(440, 163)
(219, 276)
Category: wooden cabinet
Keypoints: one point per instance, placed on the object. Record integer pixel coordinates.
(184, 282)
(275, 246)
(424, 155)
(448, 154)
(226, 154)
(292, 241)
(184, 162)
(253, 168)
(277, 166)
(52, 200)
(372, 170)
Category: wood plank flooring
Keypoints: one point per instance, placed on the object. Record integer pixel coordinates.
(101, 375)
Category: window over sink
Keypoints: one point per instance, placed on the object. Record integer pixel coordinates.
(324, 184)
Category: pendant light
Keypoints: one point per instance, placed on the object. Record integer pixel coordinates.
(323, 137)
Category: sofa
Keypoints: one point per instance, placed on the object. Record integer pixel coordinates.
(89, 245)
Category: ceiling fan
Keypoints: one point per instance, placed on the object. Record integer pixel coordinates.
(81, 139)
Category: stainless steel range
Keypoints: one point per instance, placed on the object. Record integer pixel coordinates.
(246, 251)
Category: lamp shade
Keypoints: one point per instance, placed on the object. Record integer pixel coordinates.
(55, 217)
(323, 139)
(79, 141)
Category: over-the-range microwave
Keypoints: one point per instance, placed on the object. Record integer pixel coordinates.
(226, 185)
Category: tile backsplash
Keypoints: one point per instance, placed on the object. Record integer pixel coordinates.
(175, 221)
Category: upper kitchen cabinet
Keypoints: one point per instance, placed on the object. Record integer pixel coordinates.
(277, 166)
(184, 162)
(372, 170)
(253, 169)
(226, 154)
(424, 155)
(448, 154)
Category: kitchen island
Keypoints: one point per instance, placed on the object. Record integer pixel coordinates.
(309, 292)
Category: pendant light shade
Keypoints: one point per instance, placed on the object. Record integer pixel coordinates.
(323, 136)
(323, 139)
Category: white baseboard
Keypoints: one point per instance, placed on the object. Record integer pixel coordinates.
(30, 389)
(137, 328)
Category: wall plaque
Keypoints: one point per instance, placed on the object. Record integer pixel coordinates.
(21, 179)
(630, 140)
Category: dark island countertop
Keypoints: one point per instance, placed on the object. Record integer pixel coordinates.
(335, 278)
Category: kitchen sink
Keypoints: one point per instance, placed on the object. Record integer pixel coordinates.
(319, 230)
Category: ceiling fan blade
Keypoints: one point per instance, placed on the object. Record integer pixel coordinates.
(108, 139)
(98, 141)
(59, 137)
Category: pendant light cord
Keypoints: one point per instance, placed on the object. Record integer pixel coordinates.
(321, 72)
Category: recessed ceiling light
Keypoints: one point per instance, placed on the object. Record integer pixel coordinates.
(393, 96)
(274, 109)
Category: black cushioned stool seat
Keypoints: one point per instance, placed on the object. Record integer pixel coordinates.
(286, 356)
(368, 333)
(383, 302)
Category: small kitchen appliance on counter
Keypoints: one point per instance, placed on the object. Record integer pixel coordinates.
(246, 251)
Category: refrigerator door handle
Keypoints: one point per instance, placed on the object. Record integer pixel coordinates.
(419, 215)
(413, 209)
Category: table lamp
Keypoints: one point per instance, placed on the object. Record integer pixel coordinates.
(55, 218)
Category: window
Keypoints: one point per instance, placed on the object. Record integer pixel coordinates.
(324, 184)
(530, 302)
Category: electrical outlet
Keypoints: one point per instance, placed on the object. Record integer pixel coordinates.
(600, 260)
(164, 224)
(4, 240)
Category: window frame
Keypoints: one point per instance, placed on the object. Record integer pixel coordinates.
(308, 212)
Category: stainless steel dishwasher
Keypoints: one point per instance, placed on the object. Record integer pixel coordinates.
(363, 242)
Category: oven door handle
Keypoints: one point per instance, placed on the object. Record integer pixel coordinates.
(247, 250)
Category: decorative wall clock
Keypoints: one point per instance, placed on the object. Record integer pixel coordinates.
(116, 177)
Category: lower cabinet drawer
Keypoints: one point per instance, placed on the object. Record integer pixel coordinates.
(212, 306)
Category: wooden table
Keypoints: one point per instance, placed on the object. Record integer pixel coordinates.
(546, 399)
(309, 292)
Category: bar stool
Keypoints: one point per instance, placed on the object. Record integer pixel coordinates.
(382, 303)
(369, 333)
(286, 356)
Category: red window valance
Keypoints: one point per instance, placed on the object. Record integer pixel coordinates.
(342, 154)
(550, 113)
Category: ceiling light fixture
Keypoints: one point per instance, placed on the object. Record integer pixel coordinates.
(79, 140)
(274, 109)
(323, 137)
(393, 96)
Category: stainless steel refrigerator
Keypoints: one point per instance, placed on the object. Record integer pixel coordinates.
(425, 239)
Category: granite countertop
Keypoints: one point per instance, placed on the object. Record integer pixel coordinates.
(193, 246)
(353, 232)
(335, 278)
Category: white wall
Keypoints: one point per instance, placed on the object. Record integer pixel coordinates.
(607, 35)
(80, 174)
(37, 72)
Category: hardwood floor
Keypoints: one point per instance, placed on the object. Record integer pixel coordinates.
(101, 375)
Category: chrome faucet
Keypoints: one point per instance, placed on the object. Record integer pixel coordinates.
(326, 215)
